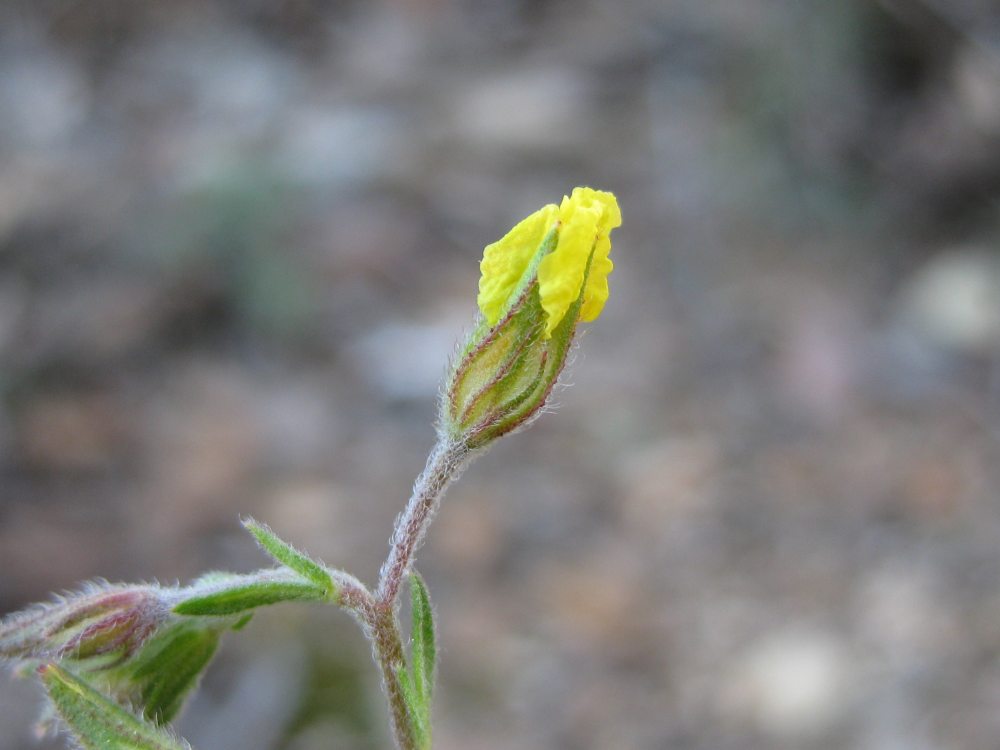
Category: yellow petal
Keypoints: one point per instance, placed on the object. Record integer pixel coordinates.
(505, 261)
(596, 293)
(560, 273)
(586, 220)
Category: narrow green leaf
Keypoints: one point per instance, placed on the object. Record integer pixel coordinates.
(167, 670)
(96, 722)
(416, 708)
(286, 554)
(237, 593)
(424, 647)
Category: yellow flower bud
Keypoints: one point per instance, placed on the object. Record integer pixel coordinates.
(579, 263)
(547, 273)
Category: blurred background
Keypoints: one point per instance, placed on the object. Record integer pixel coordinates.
(238, 241)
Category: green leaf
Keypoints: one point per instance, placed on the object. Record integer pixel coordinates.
(417, 682)
(417, 709)
(424, 648)
(287, 555)
(98, 723)
(228, 593)
(167, 669)
(242, 622)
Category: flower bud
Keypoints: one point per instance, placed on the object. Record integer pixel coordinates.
(538, 282)
(103, 621)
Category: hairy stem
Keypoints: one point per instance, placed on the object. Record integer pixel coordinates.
(378, 612)
(388, 648)
(443, 466)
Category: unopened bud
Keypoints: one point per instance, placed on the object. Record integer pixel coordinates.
(103, 621)
(538, 282)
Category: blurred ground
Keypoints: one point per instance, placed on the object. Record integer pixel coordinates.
(238, 241)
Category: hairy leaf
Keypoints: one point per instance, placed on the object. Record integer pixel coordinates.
(286, 554)
(227, 594)
(97, 722)
(167, 670)
(424, 647)
(416, 708)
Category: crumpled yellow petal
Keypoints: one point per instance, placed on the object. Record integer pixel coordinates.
(586, 218)
(505, 261)
(596, 293)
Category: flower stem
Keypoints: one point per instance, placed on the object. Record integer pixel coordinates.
(444, 465)
(378, 612)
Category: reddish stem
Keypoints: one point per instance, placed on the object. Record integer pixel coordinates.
(443, 466)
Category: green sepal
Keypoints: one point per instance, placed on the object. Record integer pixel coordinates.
(166, 671)
(287, 555)
(96, 722)
(424, 648)
(536, 383)
(505, 373)
(219, 594)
